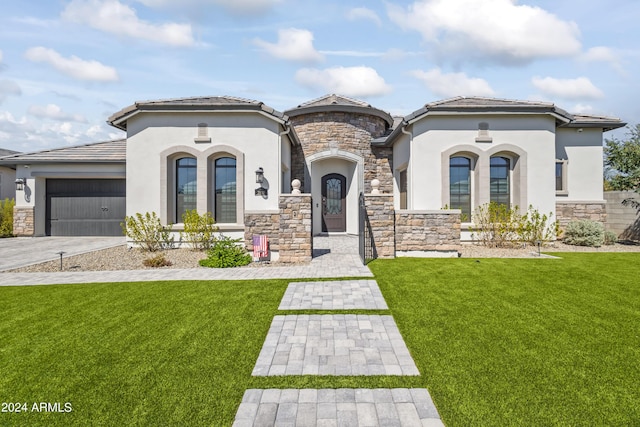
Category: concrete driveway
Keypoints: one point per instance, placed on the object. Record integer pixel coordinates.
(22, 251)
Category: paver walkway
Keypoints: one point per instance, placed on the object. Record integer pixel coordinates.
(341, 407)
(334, 344)
(336, 256)
(333, 295)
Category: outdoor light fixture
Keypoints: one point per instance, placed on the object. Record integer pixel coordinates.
(259, 176)
(20, 182)
(261, 191)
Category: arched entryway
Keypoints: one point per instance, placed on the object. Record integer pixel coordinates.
(334, 203)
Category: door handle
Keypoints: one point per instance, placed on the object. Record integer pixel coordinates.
(324, 205)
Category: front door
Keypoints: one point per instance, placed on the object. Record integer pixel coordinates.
(334, 212)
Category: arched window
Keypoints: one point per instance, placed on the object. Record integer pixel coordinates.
(225, 185)
(186, 186)
(499, 181)
(460, 185)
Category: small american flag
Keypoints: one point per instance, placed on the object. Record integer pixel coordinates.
(260, 246)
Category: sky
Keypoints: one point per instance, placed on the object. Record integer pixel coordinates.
(67, 65)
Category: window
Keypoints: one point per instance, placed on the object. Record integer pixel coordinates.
(499, 180)
(561, 177)
(225, 185)
(460, 185)
(186, 186)
(403, 189)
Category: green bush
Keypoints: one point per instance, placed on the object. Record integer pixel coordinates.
(610, 238)
(6, 217)
(198, 229)
(157, 261)
(226, 253)
(147, 231)
(584, 233)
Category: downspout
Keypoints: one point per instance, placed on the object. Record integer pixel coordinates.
(409, 166)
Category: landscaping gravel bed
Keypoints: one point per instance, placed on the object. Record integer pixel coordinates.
(122, 258)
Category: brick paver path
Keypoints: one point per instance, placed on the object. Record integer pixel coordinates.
(333, 295)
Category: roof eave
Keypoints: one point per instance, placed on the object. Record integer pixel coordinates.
(299, 111)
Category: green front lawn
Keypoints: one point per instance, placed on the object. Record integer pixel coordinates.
(498, 342)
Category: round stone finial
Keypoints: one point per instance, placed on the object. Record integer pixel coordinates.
(295, 186)
(375, 186)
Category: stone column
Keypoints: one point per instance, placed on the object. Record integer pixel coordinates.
(265, 222)
(295, 239)
(23, 221)
(381, 220)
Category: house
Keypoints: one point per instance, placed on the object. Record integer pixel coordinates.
(409, 183)
(7, 177)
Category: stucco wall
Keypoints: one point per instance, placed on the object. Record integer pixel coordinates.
(254, 137)
(7, 183)
(436, 138)
(582, 148)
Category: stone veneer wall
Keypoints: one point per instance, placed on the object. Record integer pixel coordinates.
(381, 221)
(569, 211)
(296, 239)
(427, 231)
(350, 132)
(262, 223)
(23, 221)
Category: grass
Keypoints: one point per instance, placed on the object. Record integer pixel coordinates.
(523, 342)
(498, 342)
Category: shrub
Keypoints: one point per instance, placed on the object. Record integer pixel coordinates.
(610, 238)
(535, 227)
(226, 253)
(496, 225)
(157, 261)
(6, 217)
(147, 231)
(584, 233)
(199, 229)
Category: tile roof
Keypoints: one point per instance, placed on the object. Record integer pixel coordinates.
(202, 103)
(5, 152)
(97, 152)
(333, 102)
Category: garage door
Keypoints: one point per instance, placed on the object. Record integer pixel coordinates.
(85, 207)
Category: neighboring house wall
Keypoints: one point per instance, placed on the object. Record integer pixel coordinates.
(155, 141)
(7, 183)
(622, 220)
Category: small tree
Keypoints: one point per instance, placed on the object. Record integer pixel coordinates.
(199, 229)
(147, 231)
(623, 160)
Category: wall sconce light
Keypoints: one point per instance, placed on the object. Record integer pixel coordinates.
(259, 176)
(20, 182)
(261, 191)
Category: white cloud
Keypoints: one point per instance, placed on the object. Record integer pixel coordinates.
(293, 45)
(495, 30)
(364, 13)
(54, 112)
(74, 67)
(350, 81)
(111, 16)
(234, 7)
(28, 135)
(599, 54)
(9, 88)
(582, 109)
(453, 84)
(579, 88)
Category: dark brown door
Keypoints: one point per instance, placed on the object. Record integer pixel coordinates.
(334, 212)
